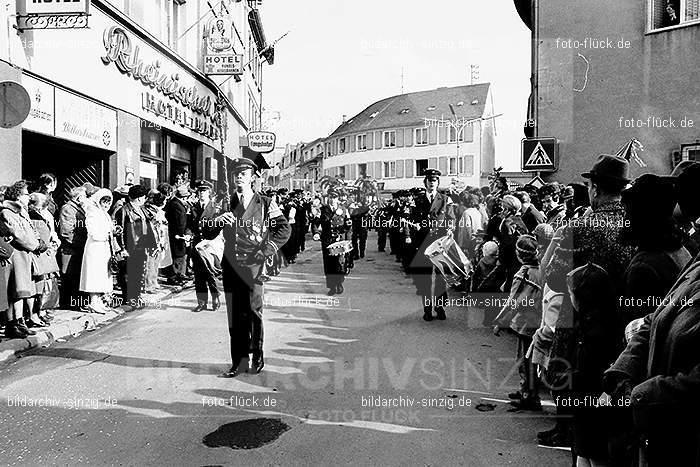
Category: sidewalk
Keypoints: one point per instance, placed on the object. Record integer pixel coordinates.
(68, 324)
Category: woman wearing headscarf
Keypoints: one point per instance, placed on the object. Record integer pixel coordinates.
(16, 224)
(45, 266)
(95, 277)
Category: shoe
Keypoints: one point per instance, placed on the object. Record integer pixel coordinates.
(258, 365)
(527, 404)
(200, 306)
(231, 373)
(440, 311)
(215, 303)
(427, 313)
(19, 324)
(557, 440)
(339, 289)
(331, 291)
(517, 395)
(36, 323)
(12, 331)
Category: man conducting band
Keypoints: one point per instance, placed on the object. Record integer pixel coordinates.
(434, 220)
(254, 229)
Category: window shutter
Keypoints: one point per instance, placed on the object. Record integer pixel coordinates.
(432, 162)
(408, 137)
(442, 131)
(399, 138)
(369, 140)
(442, 166)
(353, 140)
(432, 135)
(378, 137)
(469, 165)
(350, 171)
(378, 170)
(370, 170)
(409, 167)
(399, 168)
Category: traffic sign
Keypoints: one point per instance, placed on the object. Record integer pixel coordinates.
(539, 155)
(14, 104)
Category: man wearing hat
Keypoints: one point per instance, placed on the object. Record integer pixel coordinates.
(253, 230)
(435, 220)
(176, 211)
(593, 238)
(334, 222)
(137, 236)
(200, 223)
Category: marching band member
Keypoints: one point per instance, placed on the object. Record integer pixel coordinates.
(435, 221)
(334, 223)
(254, 229)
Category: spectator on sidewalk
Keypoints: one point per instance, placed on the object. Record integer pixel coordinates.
(15, 223)
(95, 277)
(45, 267)
(73, 235)
(156, 216)
(136, 238)
(46, 185)
(176, 215)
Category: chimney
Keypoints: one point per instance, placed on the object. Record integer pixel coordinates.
(345, 117)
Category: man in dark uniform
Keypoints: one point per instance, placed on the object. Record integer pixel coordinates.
(359, 215)
(254, 229)
(435, 220)
(334, 224)
(176, 215)
(381, 220)
(200, 223)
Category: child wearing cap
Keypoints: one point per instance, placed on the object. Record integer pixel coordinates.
(522, 313)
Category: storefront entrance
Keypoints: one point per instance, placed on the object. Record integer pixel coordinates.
(73, 164)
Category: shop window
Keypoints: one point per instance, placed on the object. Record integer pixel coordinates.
(151, 141)
(421, 166)
(665, 13)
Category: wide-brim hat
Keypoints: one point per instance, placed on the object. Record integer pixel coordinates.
(610, 167)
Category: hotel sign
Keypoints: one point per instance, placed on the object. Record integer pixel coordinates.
(52, 14)
(165, 96)
(55, 7)
(261, 141)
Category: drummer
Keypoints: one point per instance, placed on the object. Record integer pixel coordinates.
(334, 223)
(434, 220)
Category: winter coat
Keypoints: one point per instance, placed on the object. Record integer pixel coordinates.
(523, 312)
(541, 346)
(662, 363)
(176, 214)
(15, 223)
(94, 272)
(73, 235)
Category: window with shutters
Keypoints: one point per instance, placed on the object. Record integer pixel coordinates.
(361, 142)
(389, 169)
(361, 170)
(421, 136)
(452, 166)
(421, 165)
(341, 171)
(341, 145)
(666, 13)
(390, 139)
(453, 135)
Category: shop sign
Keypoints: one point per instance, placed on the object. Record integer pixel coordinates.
(219, 35)
(165, 109)
(55, 7)
(41, 113)
(53, 14)
(125, 56)
(223, 64)
(85, 122)
(261, 141)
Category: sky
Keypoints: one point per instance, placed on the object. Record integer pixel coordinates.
(340, 56)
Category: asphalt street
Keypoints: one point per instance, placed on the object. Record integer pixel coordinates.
(358, 379)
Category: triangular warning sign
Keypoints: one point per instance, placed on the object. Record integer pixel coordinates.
(539, 156)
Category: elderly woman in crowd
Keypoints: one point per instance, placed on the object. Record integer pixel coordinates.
(15, 223)
(45, 265)
(95, 277)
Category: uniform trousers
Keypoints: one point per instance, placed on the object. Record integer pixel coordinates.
(244, 305)
(361, 235)
(422, 277)
(204, 281)
(333, 268)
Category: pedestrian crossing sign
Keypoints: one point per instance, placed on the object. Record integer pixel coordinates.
(539, 154)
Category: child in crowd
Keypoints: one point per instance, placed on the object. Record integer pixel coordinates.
(522, 314)
(487, 279)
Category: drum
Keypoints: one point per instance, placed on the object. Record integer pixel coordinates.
(340, 248)
(446, 255)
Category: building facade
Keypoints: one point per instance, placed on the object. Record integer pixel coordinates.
(125, 100)
(605, 72)
(394, 140)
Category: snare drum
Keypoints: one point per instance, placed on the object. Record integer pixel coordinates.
(446, 255)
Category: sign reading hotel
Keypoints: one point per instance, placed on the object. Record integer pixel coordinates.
(55, 7)
(220, 58)
(52, 14)
(261, 141)
(164, 95)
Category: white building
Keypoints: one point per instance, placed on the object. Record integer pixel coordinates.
(394, 140)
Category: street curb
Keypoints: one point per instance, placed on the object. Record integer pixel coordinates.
(11, 349)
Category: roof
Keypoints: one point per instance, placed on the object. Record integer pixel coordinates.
(313, 143)
(412, 108)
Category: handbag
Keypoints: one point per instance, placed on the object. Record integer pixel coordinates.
(43, 264)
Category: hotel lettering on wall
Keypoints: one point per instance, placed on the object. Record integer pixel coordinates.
(171, 100)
